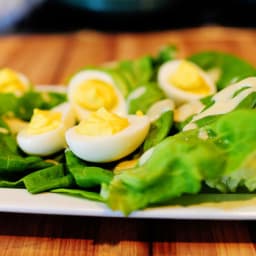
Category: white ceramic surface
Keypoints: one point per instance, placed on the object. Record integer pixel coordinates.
(21, 201)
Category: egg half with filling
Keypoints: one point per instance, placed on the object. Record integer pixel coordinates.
(13, 82)
(45, 133)
(105, 136)
(90, 90)
(183, 81)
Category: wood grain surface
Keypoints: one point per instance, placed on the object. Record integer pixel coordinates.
(51, 59)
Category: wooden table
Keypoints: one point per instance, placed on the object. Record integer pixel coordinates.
(50, 59)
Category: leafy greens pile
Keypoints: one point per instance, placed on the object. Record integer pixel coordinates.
(172, 162)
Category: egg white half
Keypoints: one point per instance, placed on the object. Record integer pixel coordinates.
(49, 142)
(111, 147)
(177, 94)
(83, 76)
(22, 78)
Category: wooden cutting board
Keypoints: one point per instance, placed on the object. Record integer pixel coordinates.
(52, 58)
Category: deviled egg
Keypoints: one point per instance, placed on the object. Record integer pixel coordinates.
(104, 136)
(13, 82)
(45, 133)
(183, 81)
(90, 90)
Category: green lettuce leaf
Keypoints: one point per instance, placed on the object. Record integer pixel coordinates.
(151, 93)
(22, 107)
(33, 99)
(236, 134)
(145, 68)
(166, 53)
(17, 164)
(177, 165)
(141, 70)
(86, 176)
(47, 179)
(8, 145)
(13, 163)
(159, 130)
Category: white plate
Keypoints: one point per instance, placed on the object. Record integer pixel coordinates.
(21, 201)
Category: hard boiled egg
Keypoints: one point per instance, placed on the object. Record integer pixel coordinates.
(183, 81)
(90, 90)
(13, 82)
(45, 134)
(104, 136)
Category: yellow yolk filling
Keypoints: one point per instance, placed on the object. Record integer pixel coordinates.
(44, 121)
(10, 82)
(139, 113)
(188, 78)
(125, 165)
(94, 94)
(101, 123)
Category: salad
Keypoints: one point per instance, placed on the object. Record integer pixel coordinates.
(135, 133)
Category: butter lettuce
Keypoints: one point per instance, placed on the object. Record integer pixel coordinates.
(236, 134)
(180, 164)
(177, 165)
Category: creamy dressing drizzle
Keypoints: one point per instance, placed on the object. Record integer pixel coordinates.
(203, 134)
(137, 93)
(3, 130)
(145, 156)
(158, 108)
(188, 109)
(225, 101)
